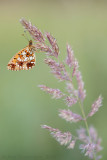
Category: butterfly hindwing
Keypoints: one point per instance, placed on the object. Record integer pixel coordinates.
(23, 60)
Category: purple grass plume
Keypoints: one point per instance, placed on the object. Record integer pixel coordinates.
(95, 106)
(56, 93)
(69, 116)
(66, 71)
(65, 138)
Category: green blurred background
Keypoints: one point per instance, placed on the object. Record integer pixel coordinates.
(23, 106)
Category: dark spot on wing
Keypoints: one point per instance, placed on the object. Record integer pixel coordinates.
(12, 66)
(20, 63)
(30, 65)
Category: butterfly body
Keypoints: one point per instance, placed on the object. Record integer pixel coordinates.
(23, 60)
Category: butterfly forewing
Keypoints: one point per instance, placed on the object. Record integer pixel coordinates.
(23, 60)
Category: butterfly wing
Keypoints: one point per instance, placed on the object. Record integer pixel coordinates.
(23, 60)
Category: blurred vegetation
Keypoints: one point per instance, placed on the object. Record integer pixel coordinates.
(23, 106)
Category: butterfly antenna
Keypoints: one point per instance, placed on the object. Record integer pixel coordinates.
(25, 35)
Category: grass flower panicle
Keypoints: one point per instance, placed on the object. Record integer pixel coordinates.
(81, 91)
(90, 143)
(70, 100)
(34, 31)
(70, 116)
(87, 147)
(65, 138)
(56, 93)
(95, 106)
(53, 44)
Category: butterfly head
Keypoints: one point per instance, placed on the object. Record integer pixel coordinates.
(30, 43)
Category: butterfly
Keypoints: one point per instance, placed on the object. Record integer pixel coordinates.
(24, 59)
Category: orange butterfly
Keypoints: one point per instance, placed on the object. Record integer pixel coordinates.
(23, 60)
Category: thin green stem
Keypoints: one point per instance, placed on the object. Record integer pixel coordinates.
(86, 124)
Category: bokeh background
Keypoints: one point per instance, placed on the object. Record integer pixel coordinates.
(23, 106)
